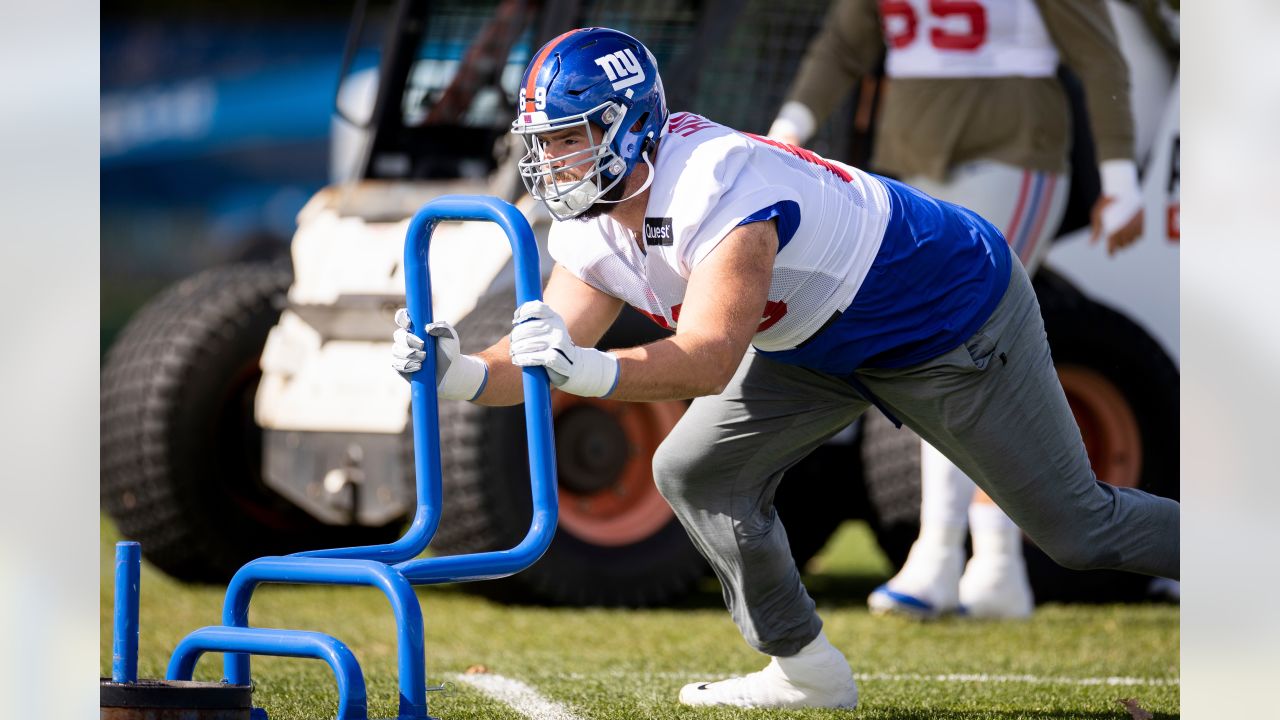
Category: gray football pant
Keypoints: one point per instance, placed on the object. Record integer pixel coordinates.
(992, 405)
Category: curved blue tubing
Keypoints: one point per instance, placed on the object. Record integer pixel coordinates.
(496, 564)
(370, 565)
(404, 605)
(352, 703)
(426, 418)
(537, 391)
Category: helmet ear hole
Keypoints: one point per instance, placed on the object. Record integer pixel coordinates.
(639, 125)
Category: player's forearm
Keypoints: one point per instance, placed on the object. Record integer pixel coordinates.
(505, 385)
(676, 368)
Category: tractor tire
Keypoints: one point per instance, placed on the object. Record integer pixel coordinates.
(891, 472)
(1124, 392)
(181, 453)
(818, 494)
(618, 542)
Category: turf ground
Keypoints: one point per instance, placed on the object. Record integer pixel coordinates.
(566, 664)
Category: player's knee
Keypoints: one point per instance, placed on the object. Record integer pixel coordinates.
(687, 476)
(674, 468)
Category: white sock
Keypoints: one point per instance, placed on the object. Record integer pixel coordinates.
(994, 534)
(995, 583)
(814, 660)
(945, 495)
(931, 573)
(940, 536)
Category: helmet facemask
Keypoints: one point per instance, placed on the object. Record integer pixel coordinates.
(544, 176)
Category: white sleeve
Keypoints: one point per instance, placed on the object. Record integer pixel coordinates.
(744, 191)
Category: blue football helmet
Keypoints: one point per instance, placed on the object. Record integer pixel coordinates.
(585, 77)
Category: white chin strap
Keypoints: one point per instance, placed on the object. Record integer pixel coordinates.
(645, 186)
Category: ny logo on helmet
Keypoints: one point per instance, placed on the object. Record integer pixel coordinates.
(622, 67)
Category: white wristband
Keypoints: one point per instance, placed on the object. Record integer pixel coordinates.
(595, 374)
(795, 120)
(1119, 177)
(1120, 184)
(465, 379)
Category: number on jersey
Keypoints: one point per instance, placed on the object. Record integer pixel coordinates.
(959, 25)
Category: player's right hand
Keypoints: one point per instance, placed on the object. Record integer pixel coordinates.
(1117, 215)
(794, 125)
(458, 376)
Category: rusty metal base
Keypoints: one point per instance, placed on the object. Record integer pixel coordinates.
(176, 700)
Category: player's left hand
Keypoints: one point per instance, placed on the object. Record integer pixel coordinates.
(539, 338)
(1117, 216)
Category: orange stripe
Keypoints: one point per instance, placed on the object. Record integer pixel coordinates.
(537, 66)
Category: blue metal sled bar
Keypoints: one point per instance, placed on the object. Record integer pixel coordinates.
(492, 565)
(352, 704)
(537, 391)
(315, 571)
(372, 565)
(124, 643)
(426, 419)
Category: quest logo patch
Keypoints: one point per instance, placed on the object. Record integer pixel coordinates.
(657, 231)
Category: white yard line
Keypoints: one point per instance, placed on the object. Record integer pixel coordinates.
(522, 698)
(920, 677)
(530, 703)
(1030, 679)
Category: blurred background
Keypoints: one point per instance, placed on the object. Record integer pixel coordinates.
(216, 117)
(214, 133)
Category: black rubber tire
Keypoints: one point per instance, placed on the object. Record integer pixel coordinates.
(487, 506)
(181, 454)
(891, 472)
(817, 495)
(1085, 333)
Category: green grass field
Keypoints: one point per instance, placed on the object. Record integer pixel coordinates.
(1066, 662)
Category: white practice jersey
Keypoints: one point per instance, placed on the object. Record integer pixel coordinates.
(976, 38)
(708, 179)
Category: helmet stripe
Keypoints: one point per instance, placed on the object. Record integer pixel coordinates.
(536, 67)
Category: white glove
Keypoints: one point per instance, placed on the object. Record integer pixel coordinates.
(540, 338)
(794, 125)
(1120, 185)
(458, 376)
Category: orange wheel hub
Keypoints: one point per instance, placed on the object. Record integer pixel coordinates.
(1107, 424)
(604, 460)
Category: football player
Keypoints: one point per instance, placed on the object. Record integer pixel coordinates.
(802, 292)
(973, 113)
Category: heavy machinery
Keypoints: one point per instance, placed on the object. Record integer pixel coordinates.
(251, 410)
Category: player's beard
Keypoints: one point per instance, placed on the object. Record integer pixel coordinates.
(612, 195)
